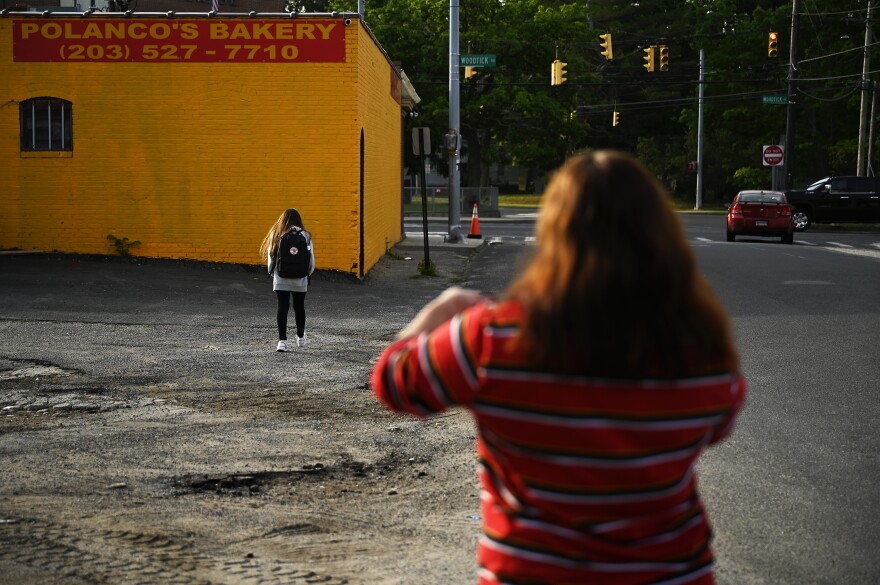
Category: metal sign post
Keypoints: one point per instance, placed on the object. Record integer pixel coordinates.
(422, 148)
(453, 139)
(698, 204)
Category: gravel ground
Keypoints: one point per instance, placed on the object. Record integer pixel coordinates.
(150, 434)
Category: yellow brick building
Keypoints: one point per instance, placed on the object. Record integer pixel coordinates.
(192, 134)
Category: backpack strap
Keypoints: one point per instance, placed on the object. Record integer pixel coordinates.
(274, 264)
(305, 235)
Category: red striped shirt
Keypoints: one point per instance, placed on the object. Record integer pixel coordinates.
(585, 480)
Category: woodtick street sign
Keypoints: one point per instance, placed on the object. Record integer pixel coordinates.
(775, 99)
(478, 60)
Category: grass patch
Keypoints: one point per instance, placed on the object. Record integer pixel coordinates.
(688, 205)
(391, 252)
(429, 269)
(518, 200)
(533, 201)
(435, 205)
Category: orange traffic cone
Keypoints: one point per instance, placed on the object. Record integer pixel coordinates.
(475, 224)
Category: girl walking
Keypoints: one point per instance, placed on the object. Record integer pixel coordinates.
(299, 242)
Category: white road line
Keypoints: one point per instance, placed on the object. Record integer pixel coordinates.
(816, 282)
(421, 234)
(839, 244)
(854, 252)
(805, 243)
(707, 240)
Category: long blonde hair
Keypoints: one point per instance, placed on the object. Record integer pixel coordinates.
(613, 288)
(285, 222)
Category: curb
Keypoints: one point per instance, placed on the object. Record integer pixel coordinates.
(437, 242)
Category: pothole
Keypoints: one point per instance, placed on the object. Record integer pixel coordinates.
(58, 402)
(34, 371)
(17, 369)
(37, 388)
(242, 484)
(343, 476)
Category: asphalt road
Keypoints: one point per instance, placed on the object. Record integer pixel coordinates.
(793, 496)
(797, 495)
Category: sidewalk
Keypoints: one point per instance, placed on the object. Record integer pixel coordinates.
(415, 242)
(507, 214)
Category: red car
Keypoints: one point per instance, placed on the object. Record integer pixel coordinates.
(760, 213)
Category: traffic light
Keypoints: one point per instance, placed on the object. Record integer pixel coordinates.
(616, 120)
(608, 51)
(469, 72)
(557, 72)
(649, 59)
(773, 44)
(663, 51)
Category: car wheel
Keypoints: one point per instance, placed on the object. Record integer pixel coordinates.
(788, 239)
(731, 237)
(801, 220)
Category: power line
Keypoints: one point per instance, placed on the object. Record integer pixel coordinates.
(853, 90)
(859, 48)
(853, 11)
(632, 106)
(836, 76)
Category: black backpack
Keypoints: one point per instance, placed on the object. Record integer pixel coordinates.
(293, 257)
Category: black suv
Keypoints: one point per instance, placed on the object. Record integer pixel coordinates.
(836, 199)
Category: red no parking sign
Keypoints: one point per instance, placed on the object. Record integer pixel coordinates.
(773, 155)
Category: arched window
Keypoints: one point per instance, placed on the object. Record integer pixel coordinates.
(46, 124)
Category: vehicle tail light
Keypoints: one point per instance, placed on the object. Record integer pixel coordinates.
(786, 211)
(736, 209)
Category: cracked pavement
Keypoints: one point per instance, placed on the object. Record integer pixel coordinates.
(150, 434)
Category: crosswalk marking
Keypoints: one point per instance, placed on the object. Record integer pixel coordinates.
(868, 250)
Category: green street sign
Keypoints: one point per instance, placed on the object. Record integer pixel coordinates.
(478, 60)
(776, 99)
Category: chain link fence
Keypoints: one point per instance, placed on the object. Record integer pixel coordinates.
(438, 200)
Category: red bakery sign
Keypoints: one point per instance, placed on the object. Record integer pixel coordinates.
(179, 40)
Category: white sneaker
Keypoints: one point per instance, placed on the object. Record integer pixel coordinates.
(302, 341)
(282, 345)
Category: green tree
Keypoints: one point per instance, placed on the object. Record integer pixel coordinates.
(511, 115)
(307, 5)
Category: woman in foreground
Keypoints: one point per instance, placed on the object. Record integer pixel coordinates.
(596, 383)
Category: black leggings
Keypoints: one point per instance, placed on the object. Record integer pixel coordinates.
(299, 312)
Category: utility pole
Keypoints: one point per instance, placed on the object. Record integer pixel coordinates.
(699, 202)
(862, 164)
(792, 93)
(872, 135)
(453, 138)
